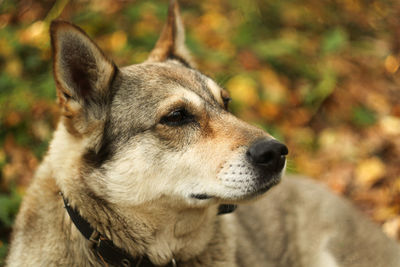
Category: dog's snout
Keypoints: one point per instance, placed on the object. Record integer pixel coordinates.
(268, 153)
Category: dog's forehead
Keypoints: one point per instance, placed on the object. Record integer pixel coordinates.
(162, 80)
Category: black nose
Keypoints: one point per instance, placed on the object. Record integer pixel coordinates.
(268, 154)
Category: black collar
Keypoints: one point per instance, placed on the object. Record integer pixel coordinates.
(105, 249)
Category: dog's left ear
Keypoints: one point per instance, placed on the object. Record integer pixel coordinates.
(81, 70)
(83, 76)
(171, 44)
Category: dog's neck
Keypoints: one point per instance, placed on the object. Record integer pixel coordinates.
(185, 224)
(158, 230)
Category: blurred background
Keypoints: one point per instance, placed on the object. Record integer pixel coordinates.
(320, 75)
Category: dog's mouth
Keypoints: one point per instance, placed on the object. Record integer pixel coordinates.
(201, 196)
(244, 191)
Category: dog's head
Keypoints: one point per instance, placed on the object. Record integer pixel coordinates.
(154, 130)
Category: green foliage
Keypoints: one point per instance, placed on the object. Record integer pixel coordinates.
(334, 40)
(269, 49)
(363, 116)
(9, 203)
(3, 252)
(323, 89)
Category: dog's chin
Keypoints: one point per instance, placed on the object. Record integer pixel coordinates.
(247, 193)
(255, 192)
(261, 190)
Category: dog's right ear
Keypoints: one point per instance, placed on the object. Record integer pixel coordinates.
(171, 43)
(81, 71)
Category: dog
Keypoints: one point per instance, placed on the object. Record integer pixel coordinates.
(147, 166)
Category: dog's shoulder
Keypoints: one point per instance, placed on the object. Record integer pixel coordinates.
(302, 218)
(39, 209)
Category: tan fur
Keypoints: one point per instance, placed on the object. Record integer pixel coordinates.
(136, 179)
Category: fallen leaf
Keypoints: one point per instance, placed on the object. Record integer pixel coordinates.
(390, 125)
(369, 171)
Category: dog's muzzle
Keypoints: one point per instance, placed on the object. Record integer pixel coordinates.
(250, 171)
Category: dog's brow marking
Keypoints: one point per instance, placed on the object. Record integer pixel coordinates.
(205, 88)
(215, 90)
(192, 97)
(185, 95)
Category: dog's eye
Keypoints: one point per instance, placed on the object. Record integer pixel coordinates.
(226, 101)
(177, 118)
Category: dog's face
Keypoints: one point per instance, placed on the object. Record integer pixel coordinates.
(159, 129)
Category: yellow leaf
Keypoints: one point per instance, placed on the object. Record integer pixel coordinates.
(391, 64)
(13, 67)
(390, 125)
(243, 89)
(370, 171)
(327, 138)
(36, 34)
(118, 40)
(215, 21)
(273, 87)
